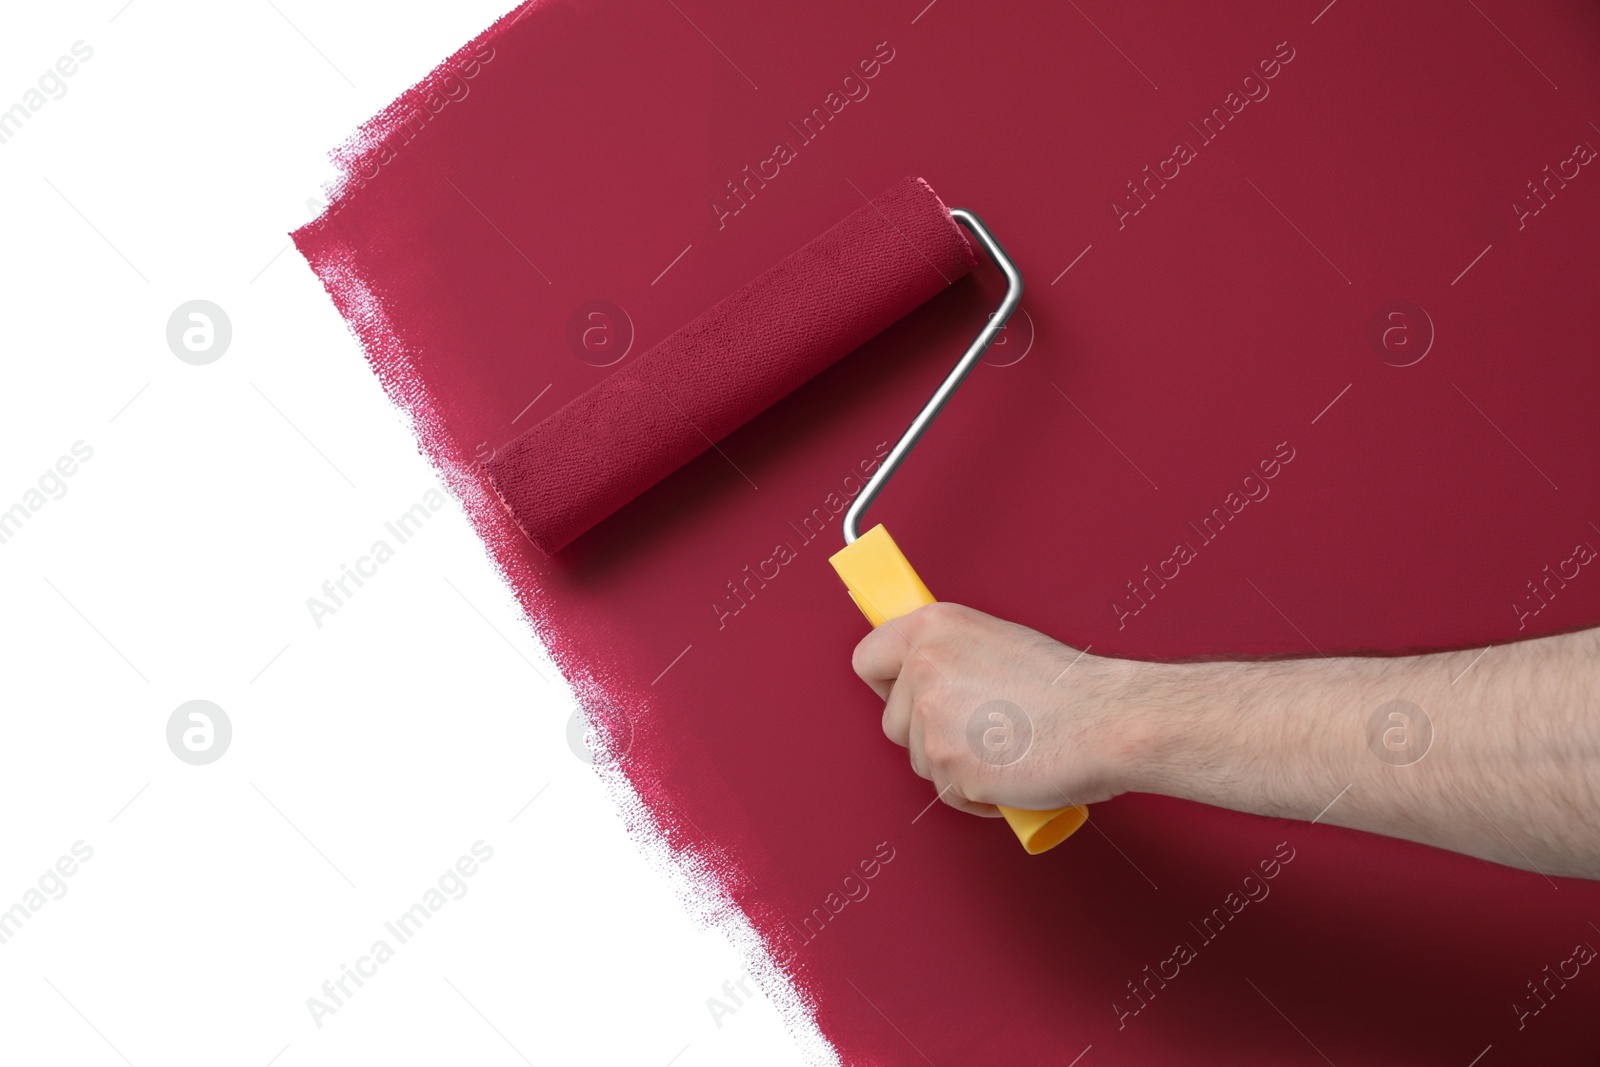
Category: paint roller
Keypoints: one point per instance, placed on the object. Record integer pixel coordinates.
(634, 428)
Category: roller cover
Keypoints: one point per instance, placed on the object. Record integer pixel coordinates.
(631, 430)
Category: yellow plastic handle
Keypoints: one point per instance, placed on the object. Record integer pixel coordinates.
(884, 586)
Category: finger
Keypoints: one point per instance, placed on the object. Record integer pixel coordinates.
(880, 656)
(919, 756)
(897, 715)
(952, 795)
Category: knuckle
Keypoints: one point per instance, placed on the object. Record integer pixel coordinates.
(921, 674)
(924, 704)
(941, 614)
(941, 751)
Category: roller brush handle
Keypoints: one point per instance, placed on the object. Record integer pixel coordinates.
(884, 586)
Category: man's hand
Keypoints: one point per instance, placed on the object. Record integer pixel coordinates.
(995, 713)
(1498, 759)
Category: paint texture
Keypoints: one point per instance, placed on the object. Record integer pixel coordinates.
(821, 302)
(1214, 271)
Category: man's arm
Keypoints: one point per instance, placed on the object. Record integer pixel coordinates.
(1497, 757)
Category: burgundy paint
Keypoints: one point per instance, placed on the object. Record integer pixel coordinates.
(755, 347)
(1221, 320)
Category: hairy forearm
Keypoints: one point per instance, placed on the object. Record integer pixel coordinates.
(1511, 772)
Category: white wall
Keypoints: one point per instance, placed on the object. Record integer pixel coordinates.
(368, 753)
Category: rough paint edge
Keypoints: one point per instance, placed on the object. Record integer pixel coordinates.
(704, 885)
(373, 136)
(704, 882)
